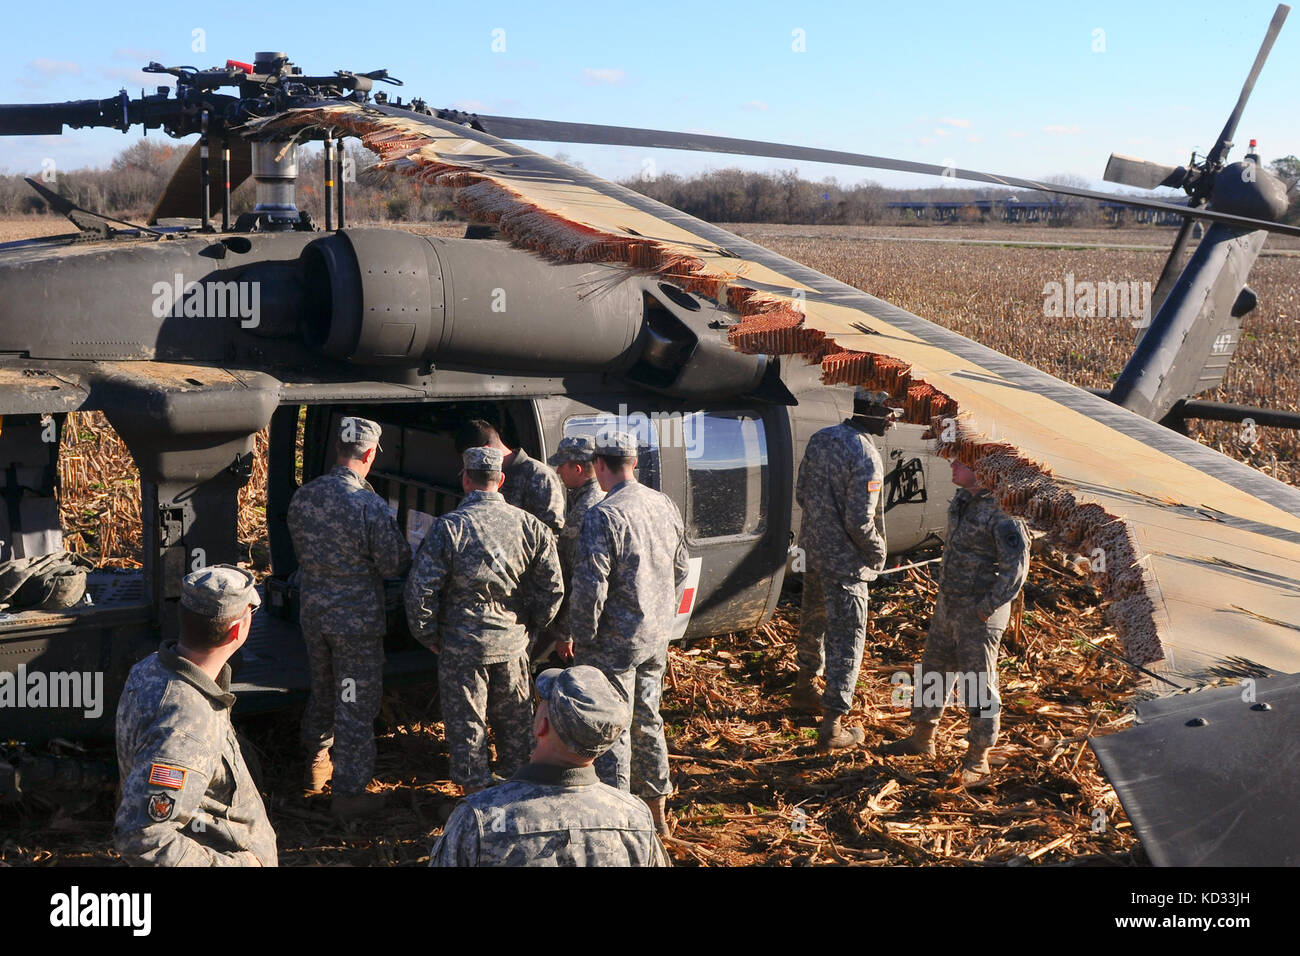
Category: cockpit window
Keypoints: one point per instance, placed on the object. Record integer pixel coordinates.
(726, 474)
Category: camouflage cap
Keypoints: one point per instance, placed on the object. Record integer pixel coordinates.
(616, 444)
(359, 431)
(479, 458)
(588, 714)
(221, 592)
(872, 404)
(580, 448)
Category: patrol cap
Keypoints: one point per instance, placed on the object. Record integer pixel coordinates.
(586, 711)
(359, 431)
(872, 404)
(221, 592)
(581, 448)
(615, 444)
(480, 458)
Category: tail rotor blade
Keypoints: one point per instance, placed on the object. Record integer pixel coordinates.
(1142, 173)
(1173, 267)
(1230, 128)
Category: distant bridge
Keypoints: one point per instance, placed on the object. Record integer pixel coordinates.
(1048, 211)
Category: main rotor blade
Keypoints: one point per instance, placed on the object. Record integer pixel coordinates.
(510, 127)
(1230, 128)
(181, 199)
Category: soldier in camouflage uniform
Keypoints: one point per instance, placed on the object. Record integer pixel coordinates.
(347, 543)
(529, 483)
(985, 562)
(555, 811)
(843, 537)
(187, 797)
(486, 574)
(573, 462)
(627, 585)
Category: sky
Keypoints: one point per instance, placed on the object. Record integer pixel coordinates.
(1027, 89)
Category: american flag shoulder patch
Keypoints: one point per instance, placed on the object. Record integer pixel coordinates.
(161, 775)
(873, 486)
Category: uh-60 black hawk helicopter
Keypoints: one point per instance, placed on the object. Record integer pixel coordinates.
(587, 304)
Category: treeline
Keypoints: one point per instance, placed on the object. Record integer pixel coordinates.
(135, 179)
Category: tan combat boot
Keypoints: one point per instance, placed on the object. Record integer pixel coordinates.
(319, 770)
(354, 806)
(805, 698)
(833, 735)
(658, 810)
(920, 743)
(975, 768)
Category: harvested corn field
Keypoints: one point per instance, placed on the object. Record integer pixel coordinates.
(995, 295)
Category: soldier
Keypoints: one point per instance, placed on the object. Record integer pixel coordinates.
(530, 484)
(627, 585)
(347, 542)
(485, 576)
(187, 796)
(555, 811)
(985, 562)
(843, 537)
(572, 461)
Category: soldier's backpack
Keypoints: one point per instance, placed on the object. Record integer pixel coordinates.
(50, 582)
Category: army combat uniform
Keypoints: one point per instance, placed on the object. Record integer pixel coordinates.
(580, 501)
(628, 574)
(558, 813)
(843, 536)
(347, 542)
(531, 485)
(548, 815)
(985, 562)
(187, 796)
(486, 574)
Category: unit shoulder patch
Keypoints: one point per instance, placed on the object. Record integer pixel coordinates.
(160, 806)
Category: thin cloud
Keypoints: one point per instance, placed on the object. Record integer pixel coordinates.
(134, 77)
(962, 123)
(1062, 130)
(54, 67)
(603, 77)
(940, 131)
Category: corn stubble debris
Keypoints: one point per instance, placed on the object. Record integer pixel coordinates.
(751, 790)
